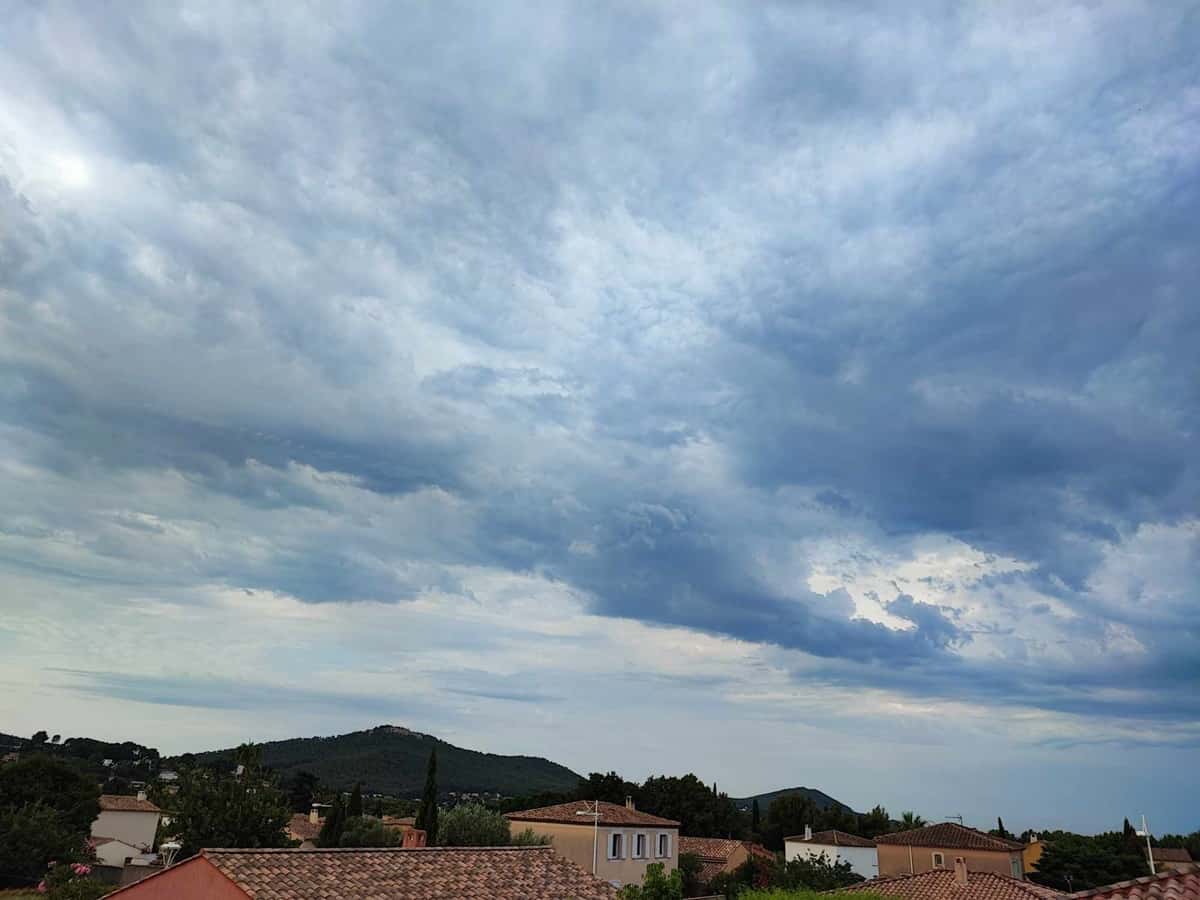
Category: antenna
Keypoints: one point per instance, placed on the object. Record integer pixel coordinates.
(167, 851)
(960, 818)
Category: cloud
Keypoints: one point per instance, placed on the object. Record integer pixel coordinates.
(852, 347)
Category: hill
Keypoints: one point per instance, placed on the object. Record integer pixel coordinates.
(392, 760)
(820, 798)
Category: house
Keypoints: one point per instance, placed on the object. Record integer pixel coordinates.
(1171, 858)
(937, 846)
(1032, 853)
(305, 828)
(955, 883)
(836, 846)
(718, 855)
(402, 824)
(124, 823)
(612, 841)
(426, 873)
(1174, 884)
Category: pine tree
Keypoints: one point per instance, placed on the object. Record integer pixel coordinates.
(755, 816)
(355, 808)
(427, 814)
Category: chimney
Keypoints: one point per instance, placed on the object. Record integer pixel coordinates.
(808, 832)
(314, 816)
(629, 802)
(960, 871)
(141, 795)
(414, 837)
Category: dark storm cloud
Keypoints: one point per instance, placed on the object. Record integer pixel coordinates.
(889, 276)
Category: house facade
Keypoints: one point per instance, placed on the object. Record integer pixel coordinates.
(615, 842)
(124, 823)
(836, 846)
(937, 846)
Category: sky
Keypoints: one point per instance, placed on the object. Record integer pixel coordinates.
(795, 394)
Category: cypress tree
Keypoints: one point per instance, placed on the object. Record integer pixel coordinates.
(427, 813)
(378, 813)
(754, 816)
(355, 809)
(335, 824)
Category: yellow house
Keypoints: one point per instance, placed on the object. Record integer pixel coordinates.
(616, 843)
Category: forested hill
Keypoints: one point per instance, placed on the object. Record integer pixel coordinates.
(819, 798)
(392, 760)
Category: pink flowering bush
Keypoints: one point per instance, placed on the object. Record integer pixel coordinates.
(72, 881)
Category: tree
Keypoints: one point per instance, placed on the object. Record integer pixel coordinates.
(472, 825)
(366, 831)
(818, 873)
(31, 836)
(1076, 862)
(755, 818)
(656, 885)
(378, 809)
(56, 783)
(690, 867)
(39, 738)
(56, 739)
(910, 820)
(699, 811)
(874, 823)
(334, 826)
(1189, 842)
(427, 814)
(354, 809)
(530, 838)
(301, 790)
(788, 815)
(1000, 831)
(218, 809)
(611, 788)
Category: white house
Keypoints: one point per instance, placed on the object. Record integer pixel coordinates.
(837, 846)
(125, 827)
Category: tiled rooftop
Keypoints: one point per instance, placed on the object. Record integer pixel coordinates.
(121, 803)
(579, 812)
(834, 838)
(940, 884)
(1173, 885)
(952, 836)
(715, 853)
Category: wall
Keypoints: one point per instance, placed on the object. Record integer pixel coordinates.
(575, 843)
(113, 853)
(894, 859)
(863, 860)
(1031, 855)
(136, 828)
(196, 879)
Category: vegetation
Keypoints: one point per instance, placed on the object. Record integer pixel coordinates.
(72, 881)
(391, 760)
(302, 787)
(354, 808)
(656, 885)
(218, 809)
(334, 826)
(1076, 862)
(46, 811)
(472, 825)
(368, 831)
(700, 810)
(1188, 842)
(427, 814)
(530, 838)
(56, 783)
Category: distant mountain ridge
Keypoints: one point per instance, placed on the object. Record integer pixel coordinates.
(390, 759)
(820, 798)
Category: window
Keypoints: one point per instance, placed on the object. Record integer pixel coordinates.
(663, 850)
(1017, 870)
(616, 845)
(640, 846)
(939, 861)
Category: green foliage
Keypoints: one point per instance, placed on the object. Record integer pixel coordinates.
(216, 809)
(1189, 842)
(55, 783)
(334, 825)
(354, 809)
(301, 787)
(530, 838)
(1000, 831)
(656, 885)
(31, 836)
(71, 882)
(701, 812)
(690, 866)
(391, 760)
(367, 831)
(816, 874)
(755, 816)
(427, 814)
(1075, 862)
(472, 825)
(610, 787)
(874, 823)
(910, 820)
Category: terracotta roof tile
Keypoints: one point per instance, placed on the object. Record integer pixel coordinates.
(715, 853)
(1183, 884)
(1172, 854)
(952, 836)
(834, 838)
(301, 828)
(121, 803)
(940, 884)
(427, 873)
(610, 814)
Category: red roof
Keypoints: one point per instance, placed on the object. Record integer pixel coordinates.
(952, 836)
(834, 838)
(940, 884)
(427, 873)
(1183, 884)
(1172, 854)
(715, 853)
(579, 812)
(122, 803)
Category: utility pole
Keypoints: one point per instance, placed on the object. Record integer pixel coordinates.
(1145, 832)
